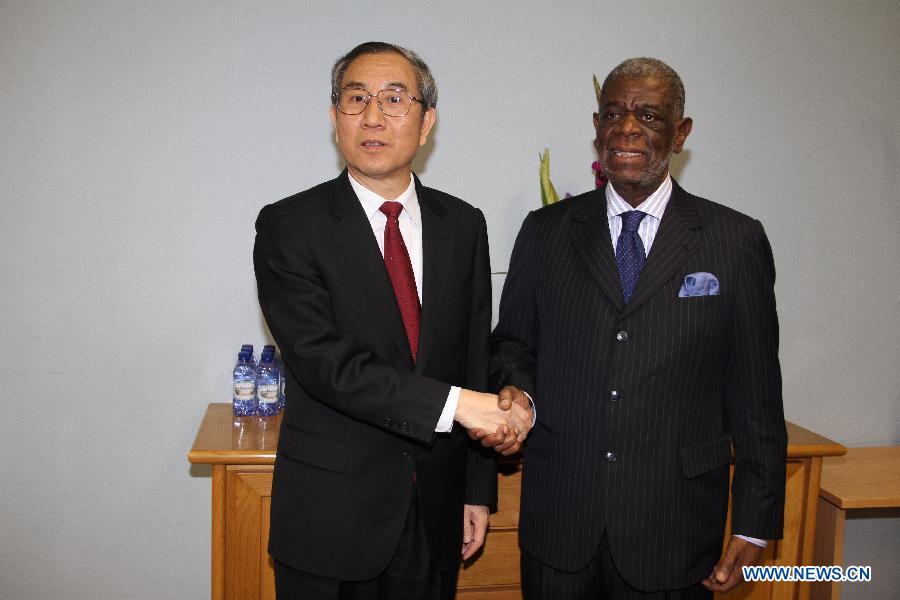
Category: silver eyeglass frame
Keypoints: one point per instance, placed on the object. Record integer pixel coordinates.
(335, 99)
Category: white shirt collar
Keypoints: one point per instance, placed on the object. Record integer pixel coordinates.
(371, 202)
(654, 205)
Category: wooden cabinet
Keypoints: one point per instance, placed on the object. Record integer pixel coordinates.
(242, 452)
(862, 479)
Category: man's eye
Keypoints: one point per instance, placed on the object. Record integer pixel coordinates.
(393, 99)
(353, 98)
(648, 117)
(610, 115)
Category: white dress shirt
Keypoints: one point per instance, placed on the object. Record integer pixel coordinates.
(654, 207)
(411, 230)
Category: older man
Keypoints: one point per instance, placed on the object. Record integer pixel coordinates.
(641, 320)
(377, 289)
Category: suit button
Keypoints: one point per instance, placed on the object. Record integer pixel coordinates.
(621, 336)
(614, 396)
(407, 457)
(611, 457)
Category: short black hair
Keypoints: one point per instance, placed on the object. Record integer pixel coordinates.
(424, 79)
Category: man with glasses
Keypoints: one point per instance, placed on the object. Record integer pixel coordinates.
(377, 290)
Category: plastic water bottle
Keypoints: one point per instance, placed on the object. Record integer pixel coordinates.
(278, 366)
(280, 385)
(268, 355)
(243, 378)
(267, 386)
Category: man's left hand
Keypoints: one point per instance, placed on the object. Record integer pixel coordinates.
(728, 572)
(475, 524)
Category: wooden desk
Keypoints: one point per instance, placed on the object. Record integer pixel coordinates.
(862, 478)
(242, 453)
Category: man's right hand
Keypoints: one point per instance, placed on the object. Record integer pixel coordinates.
(520, 417)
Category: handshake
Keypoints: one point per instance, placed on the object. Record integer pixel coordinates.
(501, 422)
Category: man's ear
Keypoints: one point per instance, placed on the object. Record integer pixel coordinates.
(682, 131)
(428, 119)
(333, 113)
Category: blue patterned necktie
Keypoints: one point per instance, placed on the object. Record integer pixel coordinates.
(630, 255)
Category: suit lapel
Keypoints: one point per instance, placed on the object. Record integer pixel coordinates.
(675, 242)
(353, 236)
(437, 251)
(590, 237)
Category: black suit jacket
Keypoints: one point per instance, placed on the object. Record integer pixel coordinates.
(639, 405)
(359, 415)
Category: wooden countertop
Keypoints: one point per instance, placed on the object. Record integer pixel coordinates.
(225, 439)
(862, 478)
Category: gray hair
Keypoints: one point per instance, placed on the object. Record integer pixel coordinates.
(652, 67)
(427, 87)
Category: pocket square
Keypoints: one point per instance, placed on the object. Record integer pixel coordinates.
(699, 284)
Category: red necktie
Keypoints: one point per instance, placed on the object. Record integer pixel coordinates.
(399, 268)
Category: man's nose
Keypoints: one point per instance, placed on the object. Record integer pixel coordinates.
(629, 125)
(372, 115)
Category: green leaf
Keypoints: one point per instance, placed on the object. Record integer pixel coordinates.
(548, 192)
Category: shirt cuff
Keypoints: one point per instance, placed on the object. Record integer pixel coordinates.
(445, 423)
(754, 541)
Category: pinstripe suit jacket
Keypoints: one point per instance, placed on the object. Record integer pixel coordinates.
(640, 405)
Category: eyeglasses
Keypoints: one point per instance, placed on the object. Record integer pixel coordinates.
(393, 103)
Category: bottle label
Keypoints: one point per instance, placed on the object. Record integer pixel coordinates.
(267, 393)
(243, 390)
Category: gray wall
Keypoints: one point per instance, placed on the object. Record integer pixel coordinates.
(141, 139)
